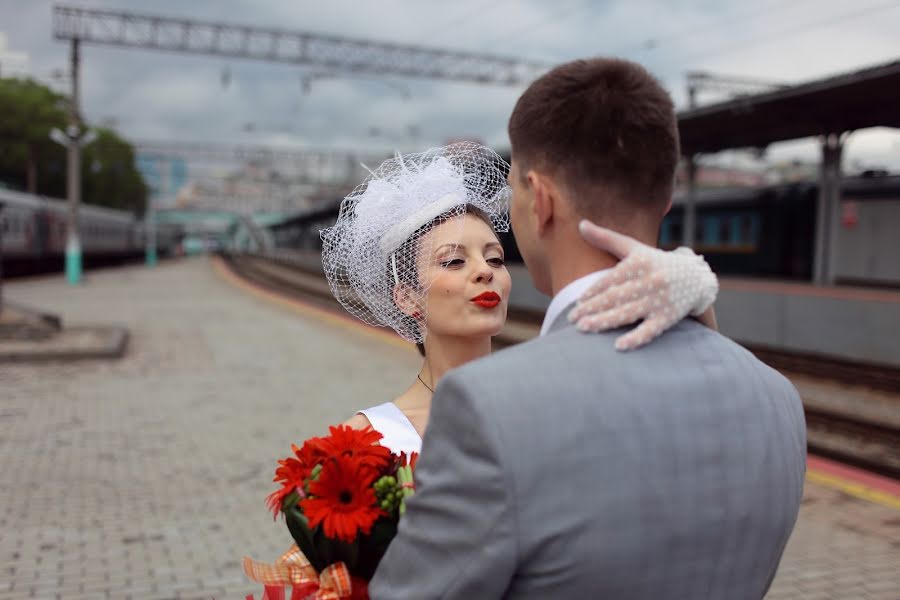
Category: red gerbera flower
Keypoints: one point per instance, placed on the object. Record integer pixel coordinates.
(343, 501)
(290, 474)
(360, 444)
(310, 454)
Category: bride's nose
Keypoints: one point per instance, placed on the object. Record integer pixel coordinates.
(484, 274)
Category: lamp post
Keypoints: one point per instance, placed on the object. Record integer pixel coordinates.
(73, 139)
(2, 204)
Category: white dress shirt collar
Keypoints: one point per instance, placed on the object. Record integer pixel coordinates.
(567, 296)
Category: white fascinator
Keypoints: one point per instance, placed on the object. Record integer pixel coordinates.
(377, 241)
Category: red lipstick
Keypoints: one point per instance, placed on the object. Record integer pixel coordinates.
(487, 299)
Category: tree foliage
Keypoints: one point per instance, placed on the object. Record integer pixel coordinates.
(31, 161)
(109, 175)
(28, 111)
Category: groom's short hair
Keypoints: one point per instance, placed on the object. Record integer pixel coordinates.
(600, 125)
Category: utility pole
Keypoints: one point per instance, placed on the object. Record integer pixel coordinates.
(689, 218)
(73, 139)
(2, 204)
(73, 180)
(150, 215)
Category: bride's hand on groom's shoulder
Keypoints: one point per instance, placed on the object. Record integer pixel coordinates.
(658, 287)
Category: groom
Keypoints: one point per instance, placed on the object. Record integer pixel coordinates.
(562, 468)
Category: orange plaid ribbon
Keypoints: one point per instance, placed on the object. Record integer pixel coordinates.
(294, 569)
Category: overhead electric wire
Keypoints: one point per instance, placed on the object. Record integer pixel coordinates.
(716, 25)
(480, 11)
(832, 20)
(559, 16)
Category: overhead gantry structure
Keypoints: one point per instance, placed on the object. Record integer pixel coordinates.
(343, 54)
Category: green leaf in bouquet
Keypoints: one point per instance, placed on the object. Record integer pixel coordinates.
(303, 536)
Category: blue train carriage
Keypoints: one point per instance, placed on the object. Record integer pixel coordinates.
(766, 232)
(770, 231)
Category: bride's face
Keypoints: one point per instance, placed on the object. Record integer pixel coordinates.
(469, 284)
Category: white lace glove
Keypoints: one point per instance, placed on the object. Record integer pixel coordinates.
(650, 284)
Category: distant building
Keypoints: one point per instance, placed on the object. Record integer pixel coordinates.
(164, 175)
(793, 171)
(717, 176)
(250, 189)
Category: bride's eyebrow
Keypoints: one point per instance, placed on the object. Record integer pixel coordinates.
(455, 247)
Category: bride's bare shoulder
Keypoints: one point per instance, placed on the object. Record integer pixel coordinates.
(358, 421)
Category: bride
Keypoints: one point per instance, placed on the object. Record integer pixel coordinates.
(415, 248)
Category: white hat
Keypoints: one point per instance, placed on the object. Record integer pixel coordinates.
(365, 254)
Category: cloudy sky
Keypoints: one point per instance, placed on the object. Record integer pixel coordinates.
(175, 97)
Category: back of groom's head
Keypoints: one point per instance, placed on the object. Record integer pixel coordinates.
(606, 130)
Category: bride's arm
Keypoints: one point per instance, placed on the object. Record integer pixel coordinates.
(660, 288)
(358, 421)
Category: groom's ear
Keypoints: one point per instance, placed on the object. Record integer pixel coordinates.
(668, 206)
(545, 197)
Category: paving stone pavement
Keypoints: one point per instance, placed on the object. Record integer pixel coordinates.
(145, 478)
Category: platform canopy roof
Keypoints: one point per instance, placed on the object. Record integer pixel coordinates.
(866, 98)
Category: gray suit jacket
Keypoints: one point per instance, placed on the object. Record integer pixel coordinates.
(561, 468)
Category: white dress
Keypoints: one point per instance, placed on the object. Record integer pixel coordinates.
(399, 433)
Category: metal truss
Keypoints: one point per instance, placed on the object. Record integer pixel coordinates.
(698, 81)
(325, 166)
(346, 55)
(247, 153)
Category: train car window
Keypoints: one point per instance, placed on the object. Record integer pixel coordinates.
(724, 230)
(707, 230)
(664, 234)
(750, 229)
(677, 231)
(735, 234)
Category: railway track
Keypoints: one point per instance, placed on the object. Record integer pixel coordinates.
(857, 422)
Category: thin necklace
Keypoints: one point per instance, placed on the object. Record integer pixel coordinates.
(425, 384)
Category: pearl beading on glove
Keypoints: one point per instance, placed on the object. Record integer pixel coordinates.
(658, 287)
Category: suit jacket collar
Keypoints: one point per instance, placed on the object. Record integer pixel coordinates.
(566, 297)
(561, 320)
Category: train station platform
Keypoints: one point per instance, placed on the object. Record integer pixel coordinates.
(145, 477)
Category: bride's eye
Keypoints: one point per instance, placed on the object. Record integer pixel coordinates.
(496, 262)
(453, 262)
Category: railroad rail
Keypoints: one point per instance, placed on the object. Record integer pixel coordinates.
(864, 432)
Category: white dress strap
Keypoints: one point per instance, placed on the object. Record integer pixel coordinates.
(399, 433)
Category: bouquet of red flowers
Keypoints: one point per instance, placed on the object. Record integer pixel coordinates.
(342, 497)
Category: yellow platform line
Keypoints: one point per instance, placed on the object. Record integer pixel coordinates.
(852, 488)
(307, 310)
